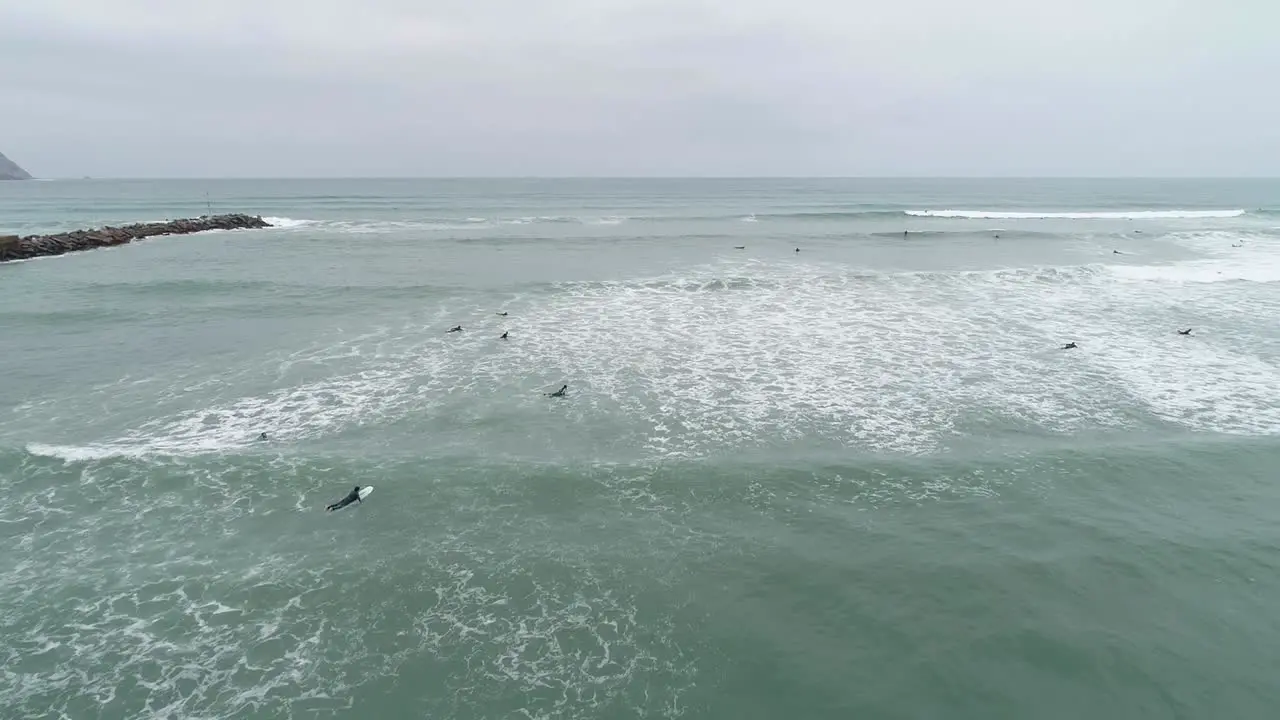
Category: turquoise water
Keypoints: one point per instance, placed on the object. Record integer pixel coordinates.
(860, 480)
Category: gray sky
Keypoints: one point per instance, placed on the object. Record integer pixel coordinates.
(285, 88)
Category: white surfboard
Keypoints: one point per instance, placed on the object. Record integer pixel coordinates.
(364, 491)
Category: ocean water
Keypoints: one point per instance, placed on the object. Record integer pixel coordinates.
(861, 480)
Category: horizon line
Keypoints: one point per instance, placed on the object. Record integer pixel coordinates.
(654, 177)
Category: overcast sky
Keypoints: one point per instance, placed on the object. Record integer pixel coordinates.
(299, 88)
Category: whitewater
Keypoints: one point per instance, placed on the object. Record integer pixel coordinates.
(822, 453)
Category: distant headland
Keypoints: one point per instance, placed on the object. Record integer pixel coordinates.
(9, 170)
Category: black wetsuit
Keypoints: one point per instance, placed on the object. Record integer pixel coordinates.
(353, 496)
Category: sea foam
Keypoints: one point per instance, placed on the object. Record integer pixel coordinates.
(284, 222)
(1105, 215)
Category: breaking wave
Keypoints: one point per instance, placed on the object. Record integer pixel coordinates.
(1105, 215)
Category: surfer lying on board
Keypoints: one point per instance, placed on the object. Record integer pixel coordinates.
(353, 496)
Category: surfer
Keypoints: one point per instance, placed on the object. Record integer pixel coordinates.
(456, 328)
(503, 314)
(1185, 332)
(739, 247)
(1070, 346)
(504, 335)
(1116, 252)
(263, 436)
(559, 393)
(353, 496)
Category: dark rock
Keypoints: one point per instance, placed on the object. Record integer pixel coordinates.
(13, 247)
(10, 246)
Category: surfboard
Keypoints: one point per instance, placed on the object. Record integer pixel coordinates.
(364, 493)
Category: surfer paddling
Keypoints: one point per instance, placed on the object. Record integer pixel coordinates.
(353, 496)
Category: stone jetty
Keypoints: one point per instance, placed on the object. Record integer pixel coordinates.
(13, 247)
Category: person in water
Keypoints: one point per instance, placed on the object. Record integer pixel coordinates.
(456, 328)
(504, 335)
(1070, 346)
(353, 496)
(559, 393)
(263, 436)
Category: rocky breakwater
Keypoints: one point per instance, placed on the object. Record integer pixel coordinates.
(13, 247)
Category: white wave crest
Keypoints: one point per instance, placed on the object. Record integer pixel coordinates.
(284, 222)
(566, 219)
(1108, 215)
